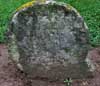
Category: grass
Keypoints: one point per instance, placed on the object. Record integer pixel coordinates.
(89, 9)
(7, 7)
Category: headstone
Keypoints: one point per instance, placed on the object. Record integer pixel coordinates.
(50, 40)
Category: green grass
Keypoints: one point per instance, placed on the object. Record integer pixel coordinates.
(7, 7)
(89, 9)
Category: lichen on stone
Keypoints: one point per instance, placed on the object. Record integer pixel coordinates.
(29, 4)
(51, 40)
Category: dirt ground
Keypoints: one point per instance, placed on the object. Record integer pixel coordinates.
(11, 76)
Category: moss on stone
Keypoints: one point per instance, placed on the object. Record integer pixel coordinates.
(66, 50)
(29, 4)
(69, 7)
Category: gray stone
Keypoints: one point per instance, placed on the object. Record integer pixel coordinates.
(50, 41)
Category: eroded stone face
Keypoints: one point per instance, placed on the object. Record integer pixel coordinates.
(49, 40)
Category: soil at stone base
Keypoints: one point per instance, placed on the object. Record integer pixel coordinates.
(11, 76)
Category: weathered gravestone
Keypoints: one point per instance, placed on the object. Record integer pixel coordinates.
(50, 40)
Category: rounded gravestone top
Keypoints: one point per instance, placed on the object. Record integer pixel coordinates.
(49, 40)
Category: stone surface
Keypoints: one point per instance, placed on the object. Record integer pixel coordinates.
(50, 41)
